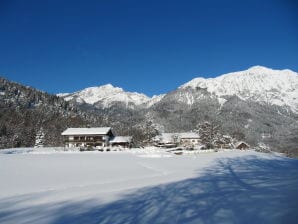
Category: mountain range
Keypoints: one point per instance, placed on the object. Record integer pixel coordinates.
(258, 105)
(259, 84)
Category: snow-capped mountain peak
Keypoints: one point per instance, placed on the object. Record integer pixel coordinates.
(259, 68)
(264, 70)
(106, 95)
(258, 83)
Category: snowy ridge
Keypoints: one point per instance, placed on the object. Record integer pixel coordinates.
(106, 95)
(155, 99)
(258, 83)
(261, 84)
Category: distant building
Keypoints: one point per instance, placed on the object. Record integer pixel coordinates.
(122, 141)
(189, 138)
(87, 137)
(165, 138)
(174, 139)
(241, 145)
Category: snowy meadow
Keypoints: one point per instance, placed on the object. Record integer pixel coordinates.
(146, 186)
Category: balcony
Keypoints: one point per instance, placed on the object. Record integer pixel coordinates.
(85, 139)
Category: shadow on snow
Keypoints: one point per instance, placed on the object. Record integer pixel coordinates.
(238, 190)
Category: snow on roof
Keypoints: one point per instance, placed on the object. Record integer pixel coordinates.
(166, 137)
(121, 139)
(188, 135)
(86, 131)
(239, 143)
(169, 137)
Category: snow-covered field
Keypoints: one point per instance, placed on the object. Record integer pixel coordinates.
(146, 186)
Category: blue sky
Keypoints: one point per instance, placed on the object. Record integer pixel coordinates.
(144, 46)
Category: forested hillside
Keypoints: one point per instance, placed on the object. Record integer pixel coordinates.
(25, 110)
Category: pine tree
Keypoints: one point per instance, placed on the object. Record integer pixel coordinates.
(39, 138)
(209, 134)
(150, 131)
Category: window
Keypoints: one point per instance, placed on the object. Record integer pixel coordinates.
(89, 138)
(97, 138)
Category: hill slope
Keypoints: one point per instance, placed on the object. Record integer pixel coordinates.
(25, 110)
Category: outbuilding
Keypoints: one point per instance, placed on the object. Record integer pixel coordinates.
(241, 145)
(122, 141)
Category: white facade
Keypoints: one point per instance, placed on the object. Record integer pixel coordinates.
(87, 137)
(184, 138)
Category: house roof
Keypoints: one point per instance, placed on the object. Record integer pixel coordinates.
(165, 137)
(241, 142)
(188, 135)
(168, 137)
(121, 139)
(87, 131)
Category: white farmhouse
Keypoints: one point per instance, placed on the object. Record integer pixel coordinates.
(174, 139)
(87, 137)
(189, 138)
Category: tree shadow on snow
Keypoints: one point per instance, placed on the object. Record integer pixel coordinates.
(238, 190)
